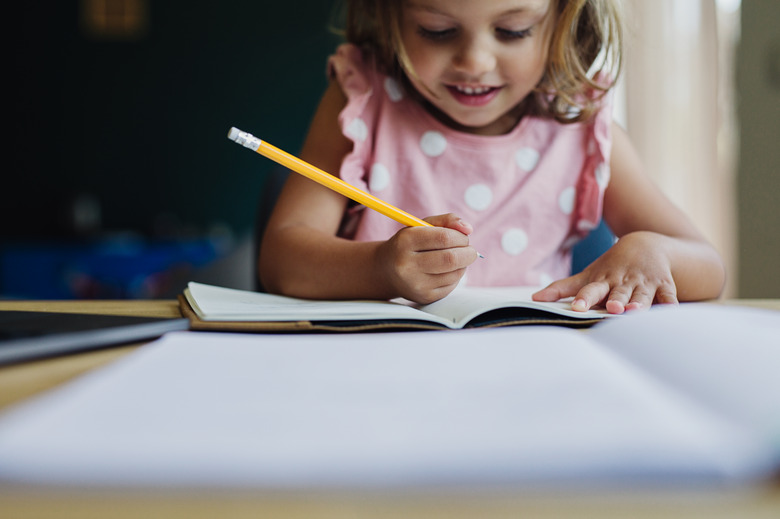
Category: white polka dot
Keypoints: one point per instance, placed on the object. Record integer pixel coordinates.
(478, 197)
(357, 129)
(380, 177)
(393, 89)
(566, 200)
(586, 225)
(526, 158)
(602, 175)
(514, 241)
(433, 143)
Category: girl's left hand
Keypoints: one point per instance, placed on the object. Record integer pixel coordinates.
(634, 273)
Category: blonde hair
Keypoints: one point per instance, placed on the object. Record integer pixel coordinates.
(583, 63)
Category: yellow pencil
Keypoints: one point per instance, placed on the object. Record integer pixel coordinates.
(326, 179)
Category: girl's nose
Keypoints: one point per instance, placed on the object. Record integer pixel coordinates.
(475, 58)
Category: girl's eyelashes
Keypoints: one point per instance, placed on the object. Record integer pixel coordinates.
(444, 34)
(436, 35)
(508, 35)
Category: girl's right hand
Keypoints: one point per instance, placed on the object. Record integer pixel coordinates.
(424, 264)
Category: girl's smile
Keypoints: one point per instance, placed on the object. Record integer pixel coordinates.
(473, 95)
(475, 62)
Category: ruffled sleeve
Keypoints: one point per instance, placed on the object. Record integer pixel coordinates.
(596, 171)
(356, 76)
(348, 67)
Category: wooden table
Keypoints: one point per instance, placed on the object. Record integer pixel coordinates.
(22, 381)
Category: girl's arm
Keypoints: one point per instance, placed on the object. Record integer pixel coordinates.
(660, 256)
(301, 255)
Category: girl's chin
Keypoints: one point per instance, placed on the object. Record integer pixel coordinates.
(481, 125)
(477, 121)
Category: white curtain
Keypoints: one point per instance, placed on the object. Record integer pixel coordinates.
(678, 98)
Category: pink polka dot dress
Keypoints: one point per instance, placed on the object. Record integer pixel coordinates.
(530, 194)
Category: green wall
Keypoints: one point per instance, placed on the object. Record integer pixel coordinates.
(141, 125)
(758, 179)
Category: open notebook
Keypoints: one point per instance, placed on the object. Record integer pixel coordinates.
(671, 395)
(218, 308)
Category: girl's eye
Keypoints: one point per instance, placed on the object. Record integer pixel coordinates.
(436, 35)
(507, 35)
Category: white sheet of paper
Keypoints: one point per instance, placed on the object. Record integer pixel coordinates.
(726, 356)
(477, 407)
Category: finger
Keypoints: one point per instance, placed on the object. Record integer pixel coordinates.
(425, 239)
(560, 289)
(450, 221)
(449, 280)
(437, 238)
(439, 286)
(447, 260)
(615, 307)
(590, 295)
(667, 295)
(641, 298)
(618, 298)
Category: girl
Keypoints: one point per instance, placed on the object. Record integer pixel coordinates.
(495, 116)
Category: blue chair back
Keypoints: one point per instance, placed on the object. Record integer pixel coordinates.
(594, 245)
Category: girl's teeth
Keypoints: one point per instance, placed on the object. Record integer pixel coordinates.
(472, 90)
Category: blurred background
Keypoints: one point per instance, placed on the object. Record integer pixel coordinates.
(120, 181)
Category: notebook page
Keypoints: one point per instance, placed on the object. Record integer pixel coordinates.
(464, 304)
(224, 304)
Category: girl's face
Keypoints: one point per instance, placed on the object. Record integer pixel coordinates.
(476, 60)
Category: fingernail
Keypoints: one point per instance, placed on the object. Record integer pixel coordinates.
(579, 304)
